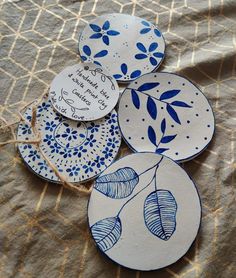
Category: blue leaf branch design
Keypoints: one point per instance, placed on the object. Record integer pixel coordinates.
(151, 105)
(164, 139)
(119, 184)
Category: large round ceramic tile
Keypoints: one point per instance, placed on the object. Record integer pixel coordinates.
(126, 45)
(166, 113)
(79, 150)
(84, 92)
(144, 211)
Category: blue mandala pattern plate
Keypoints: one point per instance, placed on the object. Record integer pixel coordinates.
(170, 114)
(80, 150)
(127, 46)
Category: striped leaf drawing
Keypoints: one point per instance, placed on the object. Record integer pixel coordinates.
(160, 210)
(119, 184)
(106, 232)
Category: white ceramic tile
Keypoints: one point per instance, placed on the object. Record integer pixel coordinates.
(126, 45)
(144, 211)
(84, 92)
(166, 113)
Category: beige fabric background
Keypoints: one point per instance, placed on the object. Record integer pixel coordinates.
(43, 227)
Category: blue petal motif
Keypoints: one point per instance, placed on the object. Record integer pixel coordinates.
(106, 25)
(152, 108)
(180, 104)
(140, 56)
(161, 150)
(141, 47)
(157, 32)
(135, 74)
(87, 50)
(105, 39)
(117, 76)
(95, 28)
(101, 54)
(167, 139)
(124, 68)
(145, 30)
(117, 185)
(153, 61)
(173, 114)
(135, 99)
(107, 232)
(152, 135)
(169, 94)
(145, 23)
(112, 33)
(153, 46)
(96, 36)
(160, 210)
(158, 54)
(84, 58)
(148, 86)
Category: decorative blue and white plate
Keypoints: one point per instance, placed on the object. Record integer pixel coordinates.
(144, 211)
(79, 150)
(126, 45)
(167, 114)
(84, 92)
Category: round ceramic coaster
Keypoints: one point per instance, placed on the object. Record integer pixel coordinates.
(144, 211)
(80, 150)
(126, 45)
(165, 113)
(84, 92)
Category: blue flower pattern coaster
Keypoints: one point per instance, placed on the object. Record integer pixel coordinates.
(79, 150)
(127, 46)
(167, 114)
(144, 211)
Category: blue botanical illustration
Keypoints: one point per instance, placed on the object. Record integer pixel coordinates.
(103, 32)
(48, 139)
(100, 161)
(66, 152)
(79, 151)
(43, 106)
(90, 141)
(125, 74)
(34, 155)
(89, 167)
(159, 207)
(148, 27)
(55, 148)
(50, 126)
(164, 139)
(107, 152)
(87, 57)
(26, 129)
(149, 53)
(73, 171)
(112, 119)
(43, 165)
(151, 105)
(93, 127)
(114, 130)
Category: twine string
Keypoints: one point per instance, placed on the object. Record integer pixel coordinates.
(36, 140)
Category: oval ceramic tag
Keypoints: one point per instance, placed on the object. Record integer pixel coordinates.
(144, 211)
(79, 150)
(84, 92)
(165, 113)
(126, 45)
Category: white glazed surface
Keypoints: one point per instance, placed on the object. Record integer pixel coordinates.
(84, 92)
(138, 248)
(123, 46)
(79, 150)
(190, 133)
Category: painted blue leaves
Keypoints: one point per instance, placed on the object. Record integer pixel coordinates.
(169, 94)
(152, 108)
(103, 32)
(148, 86)
(135, 98)
(119, 184)
(173, 113)
(107, 232)
(160, 213)
(148, 28)
(87, 55)
(152, 135)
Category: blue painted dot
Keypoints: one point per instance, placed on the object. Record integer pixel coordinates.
(192, 102)
(207, 110)
(197, 115)
(196, 148)
(126, 105)
(127, 120)
(172, 126)
(187, 137)
(143, 120)
(208, 125)
(205, 138)
(169, 82)
(142, 138)
(196, 94)
(188, 121)
(129, 138)
(176, 153)
(183, 84)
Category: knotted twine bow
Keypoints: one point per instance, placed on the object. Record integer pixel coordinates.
(36, 141)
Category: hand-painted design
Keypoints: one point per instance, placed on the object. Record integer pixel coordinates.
(125, 74)
(88, 58)
(104, 77)
(164, 139)
(160, 213)
(43, 106)
(121, 184)
(80, 150)
(107, 232)
(150, 53)
(151, 106)
(103, 32)
(148, 27)
(114, 130)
